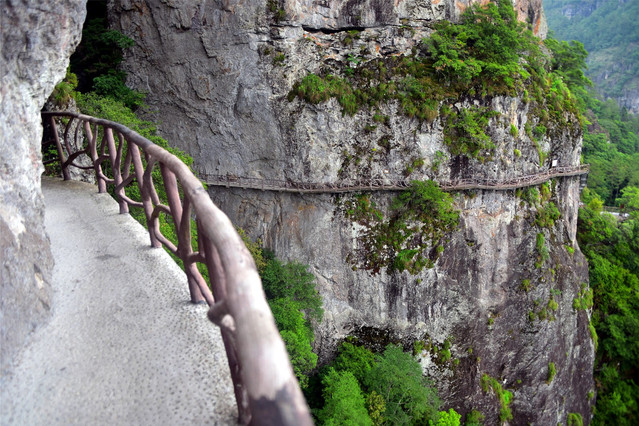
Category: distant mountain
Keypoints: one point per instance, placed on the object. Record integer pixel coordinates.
(609, 30)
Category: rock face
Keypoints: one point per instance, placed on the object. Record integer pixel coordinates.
(220, 73)
(38, 38)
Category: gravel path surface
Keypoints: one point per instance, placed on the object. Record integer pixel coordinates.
(124, 345)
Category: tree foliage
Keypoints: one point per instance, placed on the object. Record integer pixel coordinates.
(392, 384)
(96, 62)
(486, 46)
(292, 280)
(612, 250)
(344, 402)
(296, 304)
(398, 378)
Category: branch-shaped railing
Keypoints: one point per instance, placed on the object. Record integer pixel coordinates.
(266, 389)
(379, 184)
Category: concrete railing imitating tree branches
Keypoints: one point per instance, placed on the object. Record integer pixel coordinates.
(265, 387)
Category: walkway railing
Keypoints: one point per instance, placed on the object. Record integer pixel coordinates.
(265, 387)
(232, 181)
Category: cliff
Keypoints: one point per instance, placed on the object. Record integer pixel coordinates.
(37, 39)
(223, 76)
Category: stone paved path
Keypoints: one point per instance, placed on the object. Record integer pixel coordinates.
(124, 345)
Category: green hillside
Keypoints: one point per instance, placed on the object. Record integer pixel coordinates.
(609, 30)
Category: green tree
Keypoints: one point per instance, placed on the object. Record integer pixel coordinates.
(292, 280)
(344, 402)
(297, 335)
(485, 47)
(450, 418)
(629, 199)
(613, 263)
(356, 359)
(569, 62)
(409, 396)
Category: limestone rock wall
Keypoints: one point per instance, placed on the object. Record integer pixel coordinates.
(219, 74)
(38, 37)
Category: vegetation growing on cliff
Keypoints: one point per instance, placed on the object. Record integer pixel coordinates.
(504, 396)
(611, 146)
(360, 387)
(296, 306)
(612, 249)
(412, 236)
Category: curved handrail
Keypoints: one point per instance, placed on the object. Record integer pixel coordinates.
(266, 389)
(378, 184)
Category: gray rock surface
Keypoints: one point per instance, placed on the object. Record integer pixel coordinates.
(219, 75)
(38, 36)
(124, 344)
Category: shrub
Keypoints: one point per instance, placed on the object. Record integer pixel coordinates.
(65, 90)
(574, 419)
(376, 407)
(450, 418)
(474, 418)
(539, 130)
(409, 239)
(584, 299)
(542, 250)
(112, 85)
(552, 371)
(465, 132)
(504, 396)
(463, 53)
(547, 215)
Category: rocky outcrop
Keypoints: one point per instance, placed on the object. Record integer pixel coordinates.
(38, 38)
(220, 75)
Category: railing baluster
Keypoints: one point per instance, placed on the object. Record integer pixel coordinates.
(183, 232)
(92, 137)
(115, 167)
(146, 198)
(56, 138)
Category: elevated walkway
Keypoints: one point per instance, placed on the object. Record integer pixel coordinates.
(124, 345)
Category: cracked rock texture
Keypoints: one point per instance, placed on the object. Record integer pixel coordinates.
(38, 37)
(219, 73)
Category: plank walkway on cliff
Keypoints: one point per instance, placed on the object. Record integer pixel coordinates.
(123, 345)
(232, 181)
